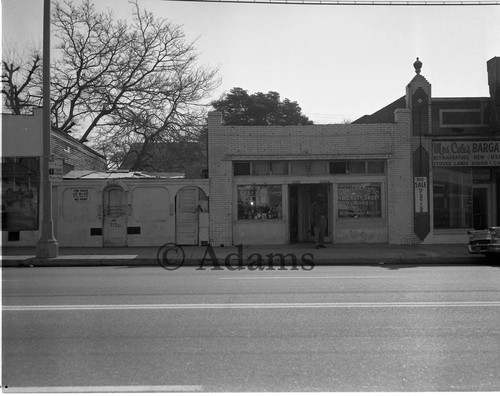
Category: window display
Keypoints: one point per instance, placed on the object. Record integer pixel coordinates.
(260, 202)
(20, 183)
(452, 190)
(359, 200)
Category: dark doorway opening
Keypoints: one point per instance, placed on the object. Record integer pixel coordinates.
(301, 197)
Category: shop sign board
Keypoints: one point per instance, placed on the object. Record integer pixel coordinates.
(466, 153)
(421, 200)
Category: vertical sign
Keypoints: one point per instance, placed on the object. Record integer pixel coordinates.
(56, 169)
(421, 201)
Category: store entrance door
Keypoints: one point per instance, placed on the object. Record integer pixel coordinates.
(482, 216)
(301, 197)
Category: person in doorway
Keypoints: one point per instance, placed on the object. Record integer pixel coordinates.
(318, 215)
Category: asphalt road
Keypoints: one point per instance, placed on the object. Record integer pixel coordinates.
(358, 328)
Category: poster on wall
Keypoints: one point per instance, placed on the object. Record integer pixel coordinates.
(81, 195)
(359, 200)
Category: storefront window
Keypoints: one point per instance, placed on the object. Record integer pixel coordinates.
(452, 197)
(20, 186)
(359, 200)
(260, 202)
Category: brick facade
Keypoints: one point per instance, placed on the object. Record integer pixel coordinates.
(76, 155)
(388, 142)
(454, 146)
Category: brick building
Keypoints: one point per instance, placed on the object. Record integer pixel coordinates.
(75, 155)
(263, 181)
(412, 172)
(455, 146)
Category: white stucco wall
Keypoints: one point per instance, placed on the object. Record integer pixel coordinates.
(150, 210)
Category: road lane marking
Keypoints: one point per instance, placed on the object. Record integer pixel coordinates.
(103, 389)
(424, 304)
(309, 277)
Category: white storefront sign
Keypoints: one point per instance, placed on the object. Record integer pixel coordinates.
(466, 153)
(421, 201)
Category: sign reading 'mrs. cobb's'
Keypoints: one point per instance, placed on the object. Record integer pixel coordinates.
(466, 153)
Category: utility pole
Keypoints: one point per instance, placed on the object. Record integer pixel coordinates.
(47, 246)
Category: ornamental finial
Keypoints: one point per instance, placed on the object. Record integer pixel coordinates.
(417, 65)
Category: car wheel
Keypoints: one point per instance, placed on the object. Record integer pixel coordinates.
(492, 258)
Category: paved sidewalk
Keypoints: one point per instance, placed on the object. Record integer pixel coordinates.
(346, 254)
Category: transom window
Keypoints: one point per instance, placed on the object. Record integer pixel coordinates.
(357, 167)
(308, 167)
(260, 168)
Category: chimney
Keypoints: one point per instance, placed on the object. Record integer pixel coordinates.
(493, 66)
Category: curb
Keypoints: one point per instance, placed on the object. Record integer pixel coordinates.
(194, 262)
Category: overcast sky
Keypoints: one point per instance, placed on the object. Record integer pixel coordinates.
(337, 62)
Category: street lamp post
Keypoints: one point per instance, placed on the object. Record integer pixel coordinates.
(47, 246)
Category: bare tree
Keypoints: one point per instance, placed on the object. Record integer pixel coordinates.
(21, 81)
(115, 83)
(125, 82)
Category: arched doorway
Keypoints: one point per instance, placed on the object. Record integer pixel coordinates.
(190, 203)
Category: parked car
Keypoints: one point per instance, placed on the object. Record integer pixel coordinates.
(485, 241)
